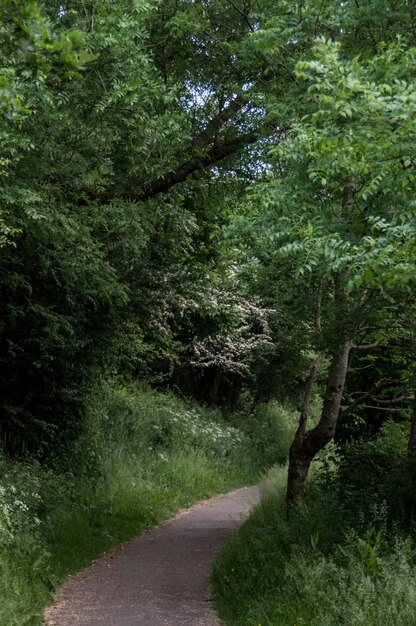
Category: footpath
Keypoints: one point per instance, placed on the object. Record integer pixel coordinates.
(160, 578)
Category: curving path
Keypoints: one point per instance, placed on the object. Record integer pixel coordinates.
(160, 578)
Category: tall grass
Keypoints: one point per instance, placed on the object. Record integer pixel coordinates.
(142, 456)
(313, 569)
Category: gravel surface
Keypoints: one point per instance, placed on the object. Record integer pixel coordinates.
(160, 578)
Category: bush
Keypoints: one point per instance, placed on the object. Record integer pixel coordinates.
(270, 430)
(378, 472)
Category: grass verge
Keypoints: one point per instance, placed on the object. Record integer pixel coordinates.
(142, 456)
(313, 569)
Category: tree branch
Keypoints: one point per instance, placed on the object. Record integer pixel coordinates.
(383, 382)
(214, 155)
(392, 401)
(206, 152)
(367, 346)
(214, 124)
(243, 15)
(380, 408)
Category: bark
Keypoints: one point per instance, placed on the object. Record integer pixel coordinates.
(307, 443)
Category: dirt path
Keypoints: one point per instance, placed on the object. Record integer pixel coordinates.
(160, 578)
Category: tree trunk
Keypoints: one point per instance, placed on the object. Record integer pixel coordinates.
(307, 444)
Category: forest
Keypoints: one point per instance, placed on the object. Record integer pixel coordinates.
(207, 280)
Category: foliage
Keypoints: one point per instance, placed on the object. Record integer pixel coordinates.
(31, 54)
(333, 209)
(312, 569)
(129, 135)
(94, 250)
(379, 466)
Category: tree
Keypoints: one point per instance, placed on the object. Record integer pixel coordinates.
(97, 191)
(117, 117)
(340, 220)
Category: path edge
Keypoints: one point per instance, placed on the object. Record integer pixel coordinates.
(112, 552)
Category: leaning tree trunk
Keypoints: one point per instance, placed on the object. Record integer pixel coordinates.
(307, 443)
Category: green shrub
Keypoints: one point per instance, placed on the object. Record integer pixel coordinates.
(377, 472)
(269, 431)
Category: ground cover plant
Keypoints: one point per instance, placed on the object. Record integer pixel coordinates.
(142, 456)
(344, 560)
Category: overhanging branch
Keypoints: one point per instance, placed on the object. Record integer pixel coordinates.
(206, 150)
(179, 175)
(383, 382)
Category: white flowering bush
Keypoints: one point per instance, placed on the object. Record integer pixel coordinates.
(20, 503)
(244, 328)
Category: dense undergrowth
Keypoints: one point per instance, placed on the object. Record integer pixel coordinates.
(346, 555)
(142, 456)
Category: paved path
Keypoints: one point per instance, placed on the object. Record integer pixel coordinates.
(160, 578)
